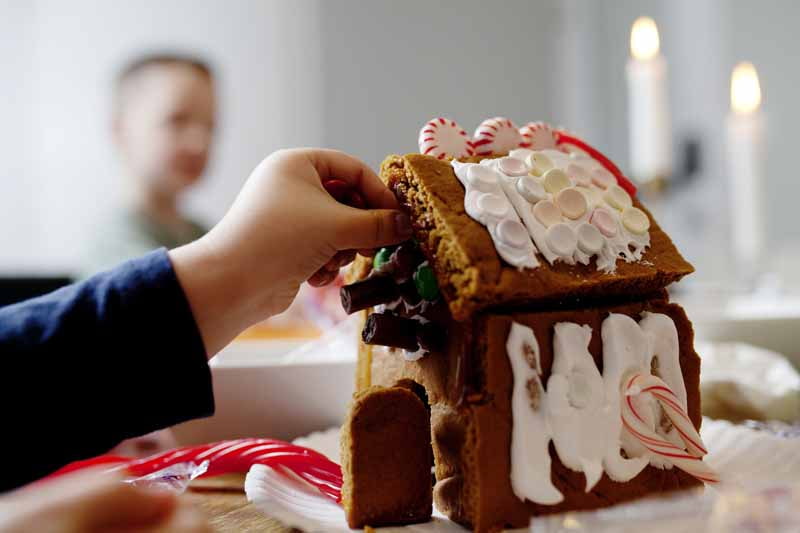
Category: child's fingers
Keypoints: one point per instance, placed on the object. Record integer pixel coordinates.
(322, 277)
(121, 505)
(332, 164)
(360, 228)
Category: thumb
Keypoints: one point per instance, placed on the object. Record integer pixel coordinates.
(371, 228)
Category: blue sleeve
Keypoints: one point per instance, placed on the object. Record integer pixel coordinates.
(115, 356)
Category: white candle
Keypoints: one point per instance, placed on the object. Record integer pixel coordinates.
(745, 132)
(648, 108)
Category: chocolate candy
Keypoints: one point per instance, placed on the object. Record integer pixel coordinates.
(404, 261)
(408, 291)
(388, 329)
(425, 281)
(374, 290)
(430, 336)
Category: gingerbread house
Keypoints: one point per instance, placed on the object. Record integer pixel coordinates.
(530, 315)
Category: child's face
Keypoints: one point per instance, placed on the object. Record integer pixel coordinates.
(165, 127)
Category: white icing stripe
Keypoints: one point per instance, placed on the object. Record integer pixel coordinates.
(530, 434)
(486, 202)
(577, 408)
(592, 418)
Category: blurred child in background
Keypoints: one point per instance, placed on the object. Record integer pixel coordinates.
(163, 125)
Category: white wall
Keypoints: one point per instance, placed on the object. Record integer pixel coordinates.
(65, 55)
(363, 77)
(391, 66)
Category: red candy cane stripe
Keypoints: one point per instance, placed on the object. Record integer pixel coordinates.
(564, 138)
(233, 456)
(496, 135)
(537, 136)
(688, 459)
(442, 137)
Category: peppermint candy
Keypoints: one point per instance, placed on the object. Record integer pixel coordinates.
(689, 457)
(538, 136)
(496, 135)
(442, 137)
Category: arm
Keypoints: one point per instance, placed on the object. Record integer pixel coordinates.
(124, 352)
(112, 357)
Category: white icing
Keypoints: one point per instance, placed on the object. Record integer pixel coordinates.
(577, 408)
(581, 409)
(533, 199)
(530, 434)
(486, 202)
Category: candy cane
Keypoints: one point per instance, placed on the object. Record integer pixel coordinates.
(232, 456)
(688, 458)
(442, 137)
(537, 136)
(563, 137)
(496, 135)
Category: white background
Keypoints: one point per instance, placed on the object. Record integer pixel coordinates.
(363, 76)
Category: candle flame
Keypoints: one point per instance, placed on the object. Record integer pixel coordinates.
(745, 89)
(644, 39)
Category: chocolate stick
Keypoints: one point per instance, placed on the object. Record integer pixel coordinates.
(386, 329)
(372, 291)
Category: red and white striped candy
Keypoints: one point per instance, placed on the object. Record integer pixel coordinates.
(537, 136)
(496, 135)
(232, 456)
(689, 458)
(442, 137)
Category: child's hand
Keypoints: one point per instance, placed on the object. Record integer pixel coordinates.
(282, 230)
(95, 501)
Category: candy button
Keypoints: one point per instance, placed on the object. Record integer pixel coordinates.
(592, 195)
(590, 240)
(572, 203)
(617, 197)
(547, 213)
(520, 153)
(561, 239)
(492, 205)
(381, 258)
(511, 166)
(425, 282)
(481, 177)
(604, 221)
(555, 180)
(635, 220)
(531, 189)
(512, 233)
(555, 155)
(603, 178)
(539, 163)
(579, 174)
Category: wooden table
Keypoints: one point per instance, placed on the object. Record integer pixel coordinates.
(224, 502)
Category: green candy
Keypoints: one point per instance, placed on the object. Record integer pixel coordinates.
(381, 258)
(425, 282)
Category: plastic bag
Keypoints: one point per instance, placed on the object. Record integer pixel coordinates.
(174, 478)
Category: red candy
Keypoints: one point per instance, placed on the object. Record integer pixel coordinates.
(442, 137)
(496, 135)
(233, 456)
(537, 136)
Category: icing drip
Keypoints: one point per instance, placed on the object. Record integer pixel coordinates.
(582, 410)
(571, 207)
(585, 423)
(486, 203)
(530, 435)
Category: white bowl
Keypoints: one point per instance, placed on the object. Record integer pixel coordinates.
(278, 388)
